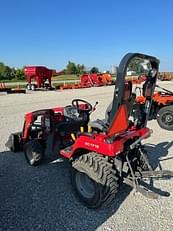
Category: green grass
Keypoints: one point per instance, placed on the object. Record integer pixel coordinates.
(16, 86)
(12, 81)
(65, 77)
(55, 78)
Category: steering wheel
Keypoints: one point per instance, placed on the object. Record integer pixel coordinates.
(76, 104)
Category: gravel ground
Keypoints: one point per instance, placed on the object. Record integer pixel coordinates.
(41, 198)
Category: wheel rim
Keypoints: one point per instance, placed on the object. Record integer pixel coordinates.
(32, 87)
(28, 87)
(32, 157)
(167, 118)
(85, 185)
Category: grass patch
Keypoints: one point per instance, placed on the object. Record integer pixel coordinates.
(65, 77)
(16, 86)
(12, 81)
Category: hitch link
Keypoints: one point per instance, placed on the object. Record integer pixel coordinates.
(148, 134)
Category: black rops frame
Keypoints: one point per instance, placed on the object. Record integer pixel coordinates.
(118, 97)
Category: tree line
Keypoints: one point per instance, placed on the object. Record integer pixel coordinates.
(78, 69)
(8, 73)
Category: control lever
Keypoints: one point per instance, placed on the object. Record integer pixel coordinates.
(94, 107)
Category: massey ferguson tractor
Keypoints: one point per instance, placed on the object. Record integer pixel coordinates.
(103, 154)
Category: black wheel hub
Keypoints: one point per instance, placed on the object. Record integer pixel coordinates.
(85, 185)
(167, 118)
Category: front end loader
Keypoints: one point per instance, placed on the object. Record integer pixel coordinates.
(103, 154)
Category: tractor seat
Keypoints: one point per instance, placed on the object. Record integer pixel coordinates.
(99, 125)
(103, 125)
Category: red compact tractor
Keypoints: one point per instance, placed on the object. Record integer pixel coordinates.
(103, 153)
(41, 76)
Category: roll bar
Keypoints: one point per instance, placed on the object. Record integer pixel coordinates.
(118, 98)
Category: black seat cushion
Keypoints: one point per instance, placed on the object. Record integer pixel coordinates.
(99, 125)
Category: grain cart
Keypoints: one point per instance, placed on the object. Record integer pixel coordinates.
(41, 76)
(103, 154)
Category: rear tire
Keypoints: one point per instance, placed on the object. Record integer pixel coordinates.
(94, 180)
(28, 87)
(33, 151)
(165, 117)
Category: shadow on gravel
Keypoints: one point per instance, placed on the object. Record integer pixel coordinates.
(157, 153)
(41, 198)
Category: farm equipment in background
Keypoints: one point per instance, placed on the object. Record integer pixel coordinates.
(164, 76)
(4, 88)
(137, 79)
(41, 75)
(95, 79)
(89, 80)
(103, 153)
(161, 108)
(8, 90)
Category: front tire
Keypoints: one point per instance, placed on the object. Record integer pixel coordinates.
(28, 87)
(33, 151)
(14, 142)
(94, 180)
(165, 117)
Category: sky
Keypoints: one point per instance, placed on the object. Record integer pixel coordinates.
(91, 32)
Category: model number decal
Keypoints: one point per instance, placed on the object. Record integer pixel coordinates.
(92, 145)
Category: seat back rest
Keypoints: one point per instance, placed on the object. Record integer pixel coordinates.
(120, 119)
(123, 98)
